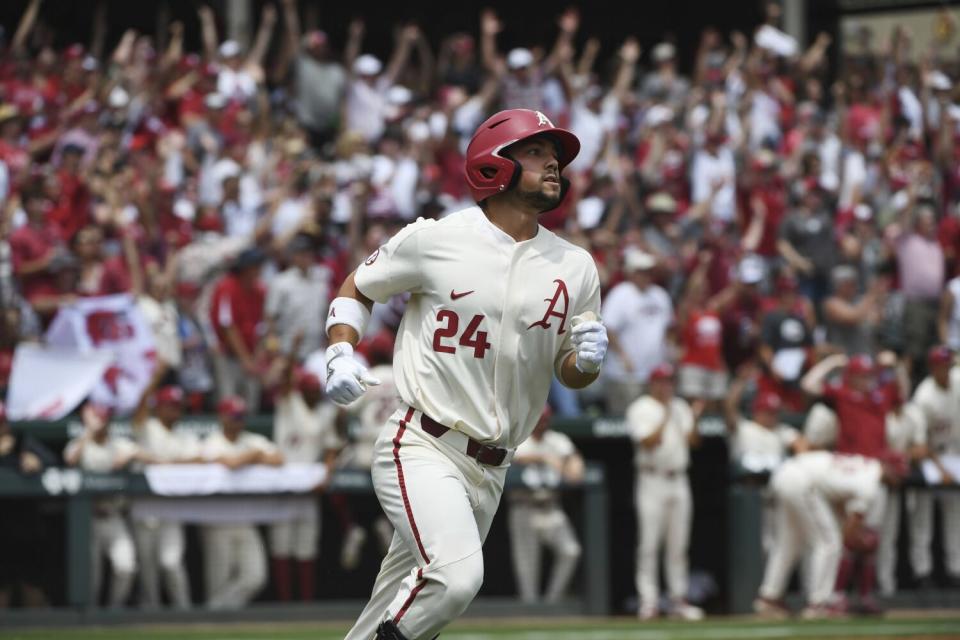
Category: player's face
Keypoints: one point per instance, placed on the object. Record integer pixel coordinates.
(169, 412)
(539, 184)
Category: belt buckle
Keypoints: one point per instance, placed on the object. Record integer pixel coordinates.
(483, 449)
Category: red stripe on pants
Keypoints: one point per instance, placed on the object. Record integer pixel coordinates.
(403, 491)
(406, 605)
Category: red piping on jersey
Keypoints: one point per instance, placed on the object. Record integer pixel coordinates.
(406, 605)
(403, 490)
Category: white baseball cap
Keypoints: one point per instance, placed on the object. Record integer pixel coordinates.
(863, 212)
(399, 95)
(664, 51)
(229, 49)
(367, 65)
(658, 114)
(750, 270)
(939, 81)
(637, 260)
(519, 58)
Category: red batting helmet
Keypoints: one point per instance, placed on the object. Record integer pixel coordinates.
(500, 131)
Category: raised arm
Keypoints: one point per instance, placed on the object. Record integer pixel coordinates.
(569, 23)
(490, 26)
(268, 19)
(627, 70)
(289, 52)
(401, 53)
(25, 28)
(208, 28)
(354, 41)
(813, 382)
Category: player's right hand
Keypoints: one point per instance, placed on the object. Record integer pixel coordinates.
(347, 379)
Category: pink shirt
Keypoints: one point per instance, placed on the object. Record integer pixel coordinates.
(920, 262)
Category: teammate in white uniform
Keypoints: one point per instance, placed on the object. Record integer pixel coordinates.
(161, 544)
(938, 397)
(537, 518)
(305, 431)
(663, 427)
(760, 444)
(235, 560)
(95, 450)
(498, 306)
(808, 488)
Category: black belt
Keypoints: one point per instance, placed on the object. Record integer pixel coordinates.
(482, 453)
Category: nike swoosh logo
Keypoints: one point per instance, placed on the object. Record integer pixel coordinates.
(456, 296)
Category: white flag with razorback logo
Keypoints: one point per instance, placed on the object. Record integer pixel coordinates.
(47, 383)
(111, 324)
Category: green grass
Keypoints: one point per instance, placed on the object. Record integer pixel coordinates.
(579, 629)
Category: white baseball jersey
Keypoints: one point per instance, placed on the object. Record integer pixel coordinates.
(303, 434)
(906, 429)
(757, 446)
(166, 445)
(488, 321)
(101, 459)
(643, 417)
(216, 444)
(853, 481)
(939, 406)
(820, 427)
(372, 409)
(540, 480)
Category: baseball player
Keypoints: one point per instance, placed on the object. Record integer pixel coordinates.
(536, 516)
(163, 543)
(305, 431)
(663, 428)
(808, 488)
(761, 443)
(498, 306)
(938, 397)
(95, 450)
(235, 561)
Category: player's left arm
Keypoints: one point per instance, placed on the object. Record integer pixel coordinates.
(586, 346)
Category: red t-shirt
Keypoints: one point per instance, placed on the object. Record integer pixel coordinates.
(235, 305)
(861, 417)
(702, 338)
(773, 196)
(111, 276)
(27, 244)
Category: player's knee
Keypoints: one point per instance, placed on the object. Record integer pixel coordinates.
(123, 560)
(170, 559)
(571, 550)
(462, 580)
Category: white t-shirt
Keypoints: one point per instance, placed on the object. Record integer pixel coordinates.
(366, 108)
(236, 84)
(303, 434)
(488, 320)
(708, 169)
(643, 417)
(854, 177)
(216, 445)
(640, 320)
(167, 445)
(289, 215)
(758, 448)
(372, 409)
(939, 407)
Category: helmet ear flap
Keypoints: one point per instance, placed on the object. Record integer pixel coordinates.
(515, 177)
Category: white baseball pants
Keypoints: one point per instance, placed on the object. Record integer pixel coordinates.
(887, 550)
(441, 504)
(535, 526)
(665, 512)
(235, 561)
(161, 546)
(804, 519)
(920, 507)
(112, 538)
(297, 539)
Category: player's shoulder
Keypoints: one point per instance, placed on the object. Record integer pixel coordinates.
(569, 250)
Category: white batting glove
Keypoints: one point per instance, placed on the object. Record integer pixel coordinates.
(347, 379)
(589, 338)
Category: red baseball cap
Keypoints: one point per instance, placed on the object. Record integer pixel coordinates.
(939, 355)
(307, 381)
(232, 406)
(767, 401)
(860, 365)
(663, 371)
(170, 394)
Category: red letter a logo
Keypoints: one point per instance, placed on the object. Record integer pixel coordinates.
(552, 309)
